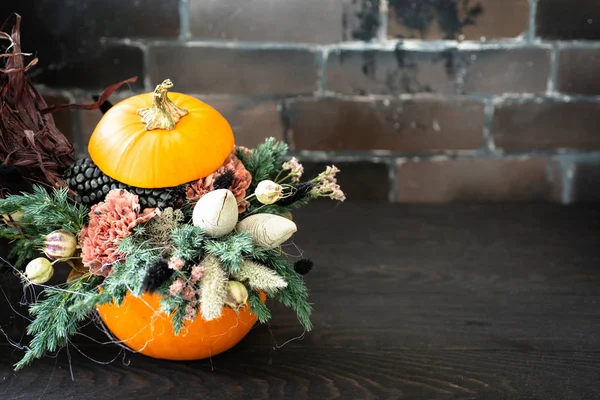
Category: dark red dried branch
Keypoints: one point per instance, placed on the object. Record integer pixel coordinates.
(29, 140)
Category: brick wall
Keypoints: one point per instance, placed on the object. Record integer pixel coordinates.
(416, 100)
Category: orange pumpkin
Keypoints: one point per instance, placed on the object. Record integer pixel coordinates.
(156, 140)
(141, 326)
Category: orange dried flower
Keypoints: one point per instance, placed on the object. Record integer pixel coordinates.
(239, 182)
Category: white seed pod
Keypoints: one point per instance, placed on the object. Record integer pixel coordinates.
(216, 213)
(268, 192)
(268, 230)
(39, 271)
(237, 295)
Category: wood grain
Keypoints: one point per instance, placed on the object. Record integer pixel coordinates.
(421, 302)
(301, 372)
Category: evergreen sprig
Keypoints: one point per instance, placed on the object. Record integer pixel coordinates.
(175, 306)
(258, 308)
(231, 249)
(295, 295)
(188, 241)
(41, 212)
(48, 211)
(264, 161)
(55, 320)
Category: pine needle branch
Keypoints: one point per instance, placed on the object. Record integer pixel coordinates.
(258, 308)
(41, 212)
(295, 295)
(55, 320)
(188, 241)
(231, 249)
(264, 161)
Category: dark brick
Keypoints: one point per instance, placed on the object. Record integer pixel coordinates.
(64, 35)
(422, 123)
(97, 70)
(577, 71)
(568, 20)
(457, 19)
(523, 70)
(441, 180)
(213, 70)
(306, 21)
(546, 126)
(360, 180)
(70, 21)
(585, 182)
(252, 120)
(387, 72)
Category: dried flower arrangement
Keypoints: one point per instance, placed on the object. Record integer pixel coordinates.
(167, 217)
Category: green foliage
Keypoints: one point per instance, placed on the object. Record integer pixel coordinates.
(42, 213)
(176, 307)
(231, 249)
(25, 248)
(48, 211)
(264, 161)
(295, 295)
(55, 318)
(188, 241)
(258, 308)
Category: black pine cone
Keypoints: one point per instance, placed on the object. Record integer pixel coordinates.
(92, 186)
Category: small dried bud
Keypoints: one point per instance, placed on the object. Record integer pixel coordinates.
(39, 271)
(12, 217)
(268, 192)
(237, 295)
(60, 244)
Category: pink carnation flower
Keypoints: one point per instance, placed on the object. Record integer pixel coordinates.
(110, 222)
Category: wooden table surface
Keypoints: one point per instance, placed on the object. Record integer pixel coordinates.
(411, 301)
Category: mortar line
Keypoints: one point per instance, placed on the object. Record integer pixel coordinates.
(392, 176)
(532, 11)
(146, 65)
(554, 60)
(567, 172)
(383, 20)
(323, 70)
(387, 45)
(488, 110)
(184, 20)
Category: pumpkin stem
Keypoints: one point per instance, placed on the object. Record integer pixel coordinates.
(163, 114)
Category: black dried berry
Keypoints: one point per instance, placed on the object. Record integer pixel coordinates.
(303, 266)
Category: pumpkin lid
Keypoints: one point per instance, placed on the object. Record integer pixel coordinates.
(155, 140)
